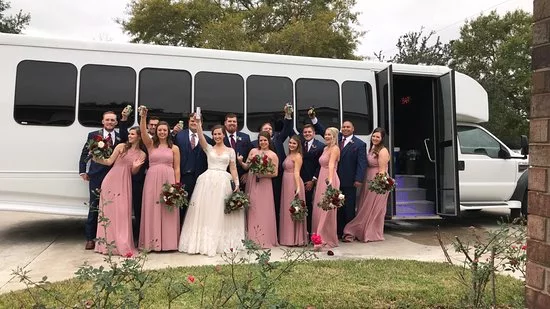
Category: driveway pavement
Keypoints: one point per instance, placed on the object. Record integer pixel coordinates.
(53, 245)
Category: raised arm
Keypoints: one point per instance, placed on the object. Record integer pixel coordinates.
(334, 154)
(176, 153)
(147, 141)
(319, 127)
(136, 165)
(123, 127)
(202, 139)
(113, 157)
(383, 160)
(297, 168)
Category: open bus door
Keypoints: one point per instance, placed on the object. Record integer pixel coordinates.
(446, 153)
(384, 82)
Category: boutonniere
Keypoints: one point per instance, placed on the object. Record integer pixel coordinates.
(118, 138)
(351, 141)
(239, 138)
(313, 146)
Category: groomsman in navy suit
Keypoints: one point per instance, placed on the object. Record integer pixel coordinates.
(96, 172)
(278, 139)
(312, 150)
(193, 160)
(239, 141)
(351, 169)
(139, 178)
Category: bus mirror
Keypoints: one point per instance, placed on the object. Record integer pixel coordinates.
(524, 145)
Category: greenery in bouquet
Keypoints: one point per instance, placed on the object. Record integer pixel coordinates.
(298, 209)
(382, 183)
(236, 201)
(174, 196)
(332, 199)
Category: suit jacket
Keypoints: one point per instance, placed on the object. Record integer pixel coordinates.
(192, 160)
(353, 159)
(96, 169)
(278, 140)
(310, 165)
(242, 147)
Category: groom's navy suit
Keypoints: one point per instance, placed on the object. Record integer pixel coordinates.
(310, 169)
(242, 147)
(96, 173)
(193, 162)
(351, 168)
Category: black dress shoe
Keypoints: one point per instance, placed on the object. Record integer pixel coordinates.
(90, 245)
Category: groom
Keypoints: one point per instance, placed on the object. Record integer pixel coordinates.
(193, 160)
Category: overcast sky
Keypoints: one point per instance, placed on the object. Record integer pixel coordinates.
(384, 21)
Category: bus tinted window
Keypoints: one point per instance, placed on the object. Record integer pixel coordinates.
(104, 88)
(265, 100)
(45, 93)
(357, 105)
(218, 94)
(166, 93)
(322, 94)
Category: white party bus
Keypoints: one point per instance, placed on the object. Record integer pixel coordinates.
(53, 92)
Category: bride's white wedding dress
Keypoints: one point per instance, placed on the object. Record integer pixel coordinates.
(207, 229)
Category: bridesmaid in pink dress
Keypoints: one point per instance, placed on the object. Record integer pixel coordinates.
(160, 227)
(261, 224)
(292, 233)
(368, 224)
(115, 202)
(324, 222)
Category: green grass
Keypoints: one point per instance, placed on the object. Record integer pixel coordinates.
(327, 284)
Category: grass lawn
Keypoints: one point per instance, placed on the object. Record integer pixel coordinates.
(324, 284)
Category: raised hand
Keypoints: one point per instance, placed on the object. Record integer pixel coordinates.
(138, 162)
(311, 112)
(143, 111)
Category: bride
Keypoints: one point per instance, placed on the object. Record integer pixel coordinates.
(207, 229)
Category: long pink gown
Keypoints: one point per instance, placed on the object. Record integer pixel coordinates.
(160, 227)
(261, 224)
(368, 224)
(116, 206)
(291, 233)
(324, 222)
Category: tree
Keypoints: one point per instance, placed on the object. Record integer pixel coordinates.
(414, 48)
(12, 24)
(317, 28)
(495, 50)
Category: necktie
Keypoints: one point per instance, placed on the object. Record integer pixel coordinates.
(305, 147)
(232, 140)
(193, 141)
(109, 140)
(342, 143)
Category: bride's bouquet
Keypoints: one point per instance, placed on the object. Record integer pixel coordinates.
(298, 209)
(99, 148)
(261, 165)
(236, 201)
(332, 199)
(174, 196)
(382, 183)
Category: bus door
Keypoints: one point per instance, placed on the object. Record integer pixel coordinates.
(445, 148)
(384, 82)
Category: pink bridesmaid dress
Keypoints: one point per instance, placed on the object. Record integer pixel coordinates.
(116, 206)
(368, 224)
(324, 222)
(261, 224)
(291, 233)
(160, 227)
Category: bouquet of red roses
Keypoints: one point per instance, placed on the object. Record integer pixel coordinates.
(174, 196)
(237, 200)
(298, 209)
(332, 199)
(382, 183)
(261, 165)
(99, 148)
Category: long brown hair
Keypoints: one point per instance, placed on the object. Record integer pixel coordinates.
(128, 145)
(156, 141)
(380, 145)
(296, 138)
(266, 135)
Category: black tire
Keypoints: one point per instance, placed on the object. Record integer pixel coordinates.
(524, 205)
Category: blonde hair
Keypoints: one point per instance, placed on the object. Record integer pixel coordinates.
(334, 132)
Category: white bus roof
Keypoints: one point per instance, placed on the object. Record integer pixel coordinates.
(471, 98)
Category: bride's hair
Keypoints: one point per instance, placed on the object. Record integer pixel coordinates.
(218, 126)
